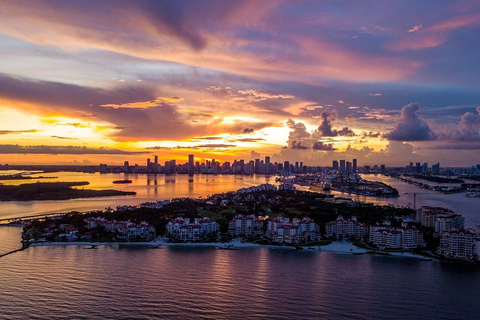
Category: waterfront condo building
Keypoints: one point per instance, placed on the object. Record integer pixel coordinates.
(441, 219)
(245, 225)
(346, 228)
(282, 230)
(458, 243)
(385, 236)
(184, 230)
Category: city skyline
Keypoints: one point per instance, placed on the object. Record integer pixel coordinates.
(384, 83)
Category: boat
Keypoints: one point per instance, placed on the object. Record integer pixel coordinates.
(94, 246)
(122, 181)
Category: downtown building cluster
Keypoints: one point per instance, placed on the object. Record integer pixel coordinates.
(257, 166)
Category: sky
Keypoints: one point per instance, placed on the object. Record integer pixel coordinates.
(385, 82)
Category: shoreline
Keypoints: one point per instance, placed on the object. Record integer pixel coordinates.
(335, 247)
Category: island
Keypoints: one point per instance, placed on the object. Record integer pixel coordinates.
(54, 191)
(266, 215)
(122, 181)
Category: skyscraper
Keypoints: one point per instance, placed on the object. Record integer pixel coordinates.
(349, 167)
(190, 164)
(342, 166)
(335, 165)
(267, 165)
(286, 167)
(354, 169)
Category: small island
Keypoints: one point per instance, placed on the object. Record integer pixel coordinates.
(122, 181)
(54, 191)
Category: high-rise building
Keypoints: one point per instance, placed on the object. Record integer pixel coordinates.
(335, 165)
(125, 166)
(354, 169)
(418, 168)
(342, 166)
(148, 165)
(267, 165)
(425, 167)
(191, 164)
(286, 167)
(349, 167)
(155, 166)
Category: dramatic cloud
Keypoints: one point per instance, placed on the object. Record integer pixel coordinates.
(17, 149)
(468, 128)
(299, 132)
(322, 146)
(152, 119)
(325, 129)
(297, 145)
(300, 139)
(410, 127)
(229, 73)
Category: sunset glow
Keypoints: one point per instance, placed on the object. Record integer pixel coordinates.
(90, 82)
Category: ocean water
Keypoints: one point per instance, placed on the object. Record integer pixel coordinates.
(114, 282)
(160, 187)
(148, 188)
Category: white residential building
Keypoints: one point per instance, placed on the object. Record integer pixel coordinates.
(442, 219)
(385, 236)
(124, 230)
(346, 228)
(281, 229)
(458, 244)
(184, 230)
(247, 225)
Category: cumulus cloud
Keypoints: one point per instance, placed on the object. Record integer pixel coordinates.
(410, 127)
(41, 149)
(468, 128)
(319, 145)
(326, 127)
(300, 139)
(255, 155)
(299, 132)
(297, 145)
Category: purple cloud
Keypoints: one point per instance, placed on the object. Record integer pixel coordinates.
(410, 127)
